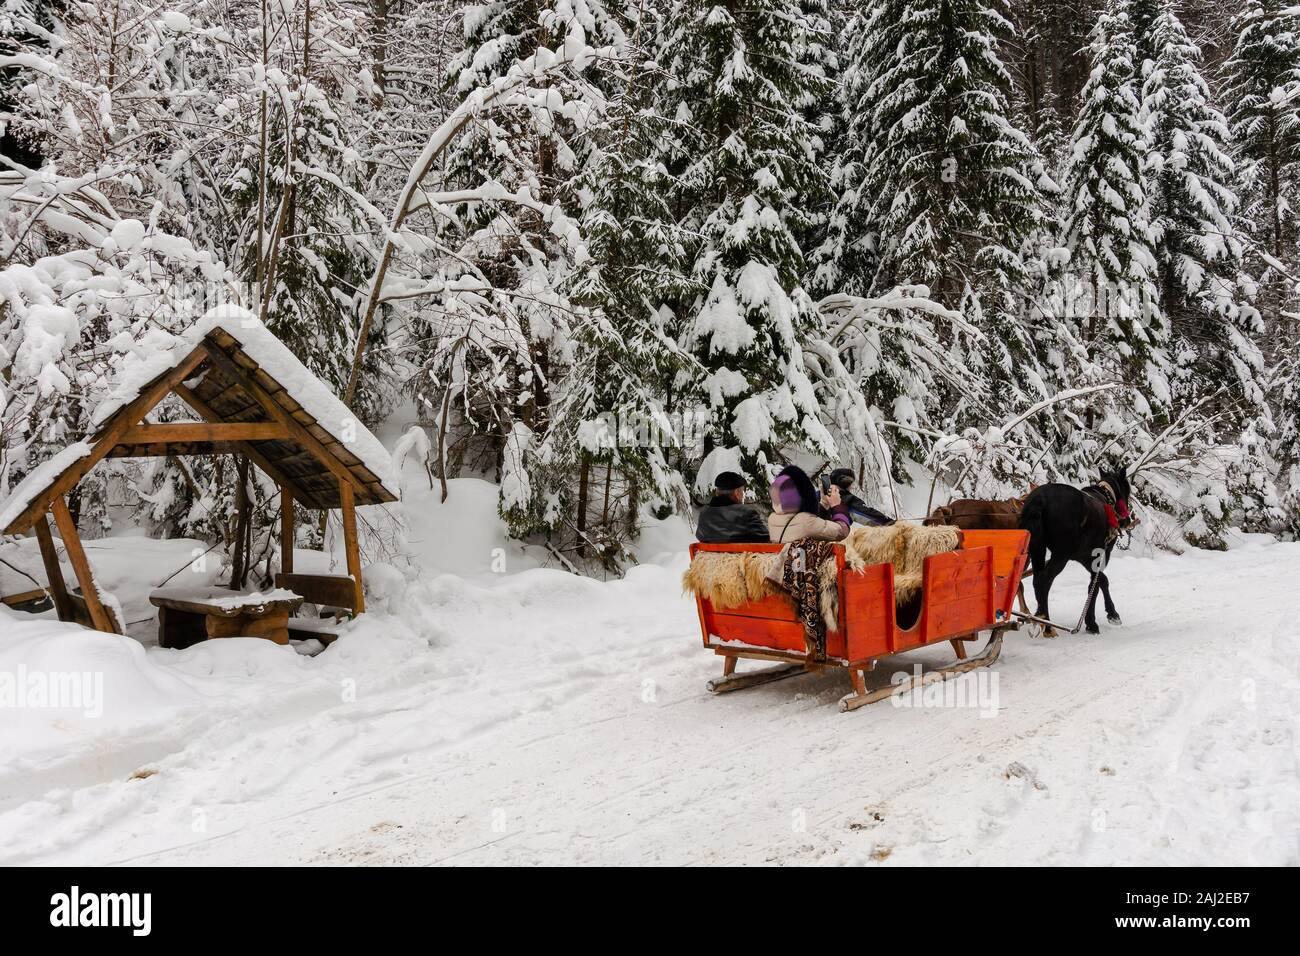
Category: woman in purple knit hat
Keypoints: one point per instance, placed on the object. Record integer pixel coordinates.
(796, 509)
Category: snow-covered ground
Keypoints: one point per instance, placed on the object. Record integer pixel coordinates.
(515, 714)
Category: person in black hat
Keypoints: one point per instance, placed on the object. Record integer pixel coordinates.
(726, 519)
(859, 510)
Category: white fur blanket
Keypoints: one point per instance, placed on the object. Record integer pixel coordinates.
(735, 578)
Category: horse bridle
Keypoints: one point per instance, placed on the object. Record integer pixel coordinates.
(1104, 491)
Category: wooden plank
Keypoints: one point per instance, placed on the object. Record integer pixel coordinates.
(177, 449)
(239, 566)
(152, 433)
(286, 529)
(350, 545)
(986, 657)
(331, 590)
(296, 430)
(107, 439)
(305, 629)
(53, 573)
(757, 632)
(77, 556)
(205, 411)
(273, 626)
(957, 617)
(774, 607)
(731, 681)
(179, 629)
(24, 597)
(868, 603)
(213, 609)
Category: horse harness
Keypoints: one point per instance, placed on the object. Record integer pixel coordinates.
(1104, 493)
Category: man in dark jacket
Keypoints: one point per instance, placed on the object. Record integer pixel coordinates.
(859, 510)
(726, 519)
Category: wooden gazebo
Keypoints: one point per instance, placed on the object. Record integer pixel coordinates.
(252, 398)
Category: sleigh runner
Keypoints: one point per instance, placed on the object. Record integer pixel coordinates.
(961, 593)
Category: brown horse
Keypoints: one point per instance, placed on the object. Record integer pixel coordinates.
(981, 514)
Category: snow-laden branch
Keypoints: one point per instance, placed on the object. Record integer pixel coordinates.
(1065, 396)
(574, 55)
(974, 445)
(396, 289)
(900, 298)
(1147, 458)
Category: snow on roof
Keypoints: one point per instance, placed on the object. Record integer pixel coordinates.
(160, 352)
(38, 479)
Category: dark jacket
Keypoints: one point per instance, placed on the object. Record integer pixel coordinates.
(861, 511)
(722, 521)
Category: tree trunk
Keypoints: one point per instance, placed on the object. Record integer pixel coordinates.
(584, 474)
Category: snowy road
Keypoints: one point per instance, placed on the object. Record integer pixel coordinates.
(560, 720)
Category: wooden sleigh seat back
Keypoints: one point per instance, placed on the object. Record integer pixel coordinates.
(962, 592)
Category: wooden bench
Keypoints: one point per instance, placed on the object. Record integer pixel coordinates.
(336, 593)
(323, 629)
(189, 615)
(325, 590)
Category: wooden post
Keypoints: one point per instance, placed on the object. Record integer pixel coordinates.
(583, 474)
(286, 530)
(349, 508)
(239, 568)
(53, 573)
(77, 555)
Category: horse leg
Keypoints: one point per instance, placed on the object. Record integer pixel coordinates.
(1044, 575)
(1090, 612)
(1112, 615)
(1020, 589)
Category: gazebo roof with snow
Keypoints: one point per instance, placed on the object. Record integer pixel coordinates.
(253, 396)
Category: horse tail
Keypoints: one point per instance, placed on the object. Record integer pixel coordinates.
(1031, 520)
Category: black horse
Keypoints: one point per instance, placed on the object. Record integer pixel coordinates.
(1076, 525)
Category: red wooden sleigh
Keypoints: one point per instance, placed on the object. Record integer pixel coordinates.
(963, 592)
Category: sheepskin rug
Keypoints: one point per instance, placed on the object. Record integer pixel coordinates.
(732, 579)
(905, 546)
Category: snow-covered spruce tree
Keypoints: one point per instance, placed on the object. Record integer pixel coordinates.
(1204, 293)
(1262, 92)
(733, 73)
(297, 189)
(939, 187)
(818, 43)
(491, 363)
(1112, 269)
(1285, 395)
(1193, 206)
(611, 426)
